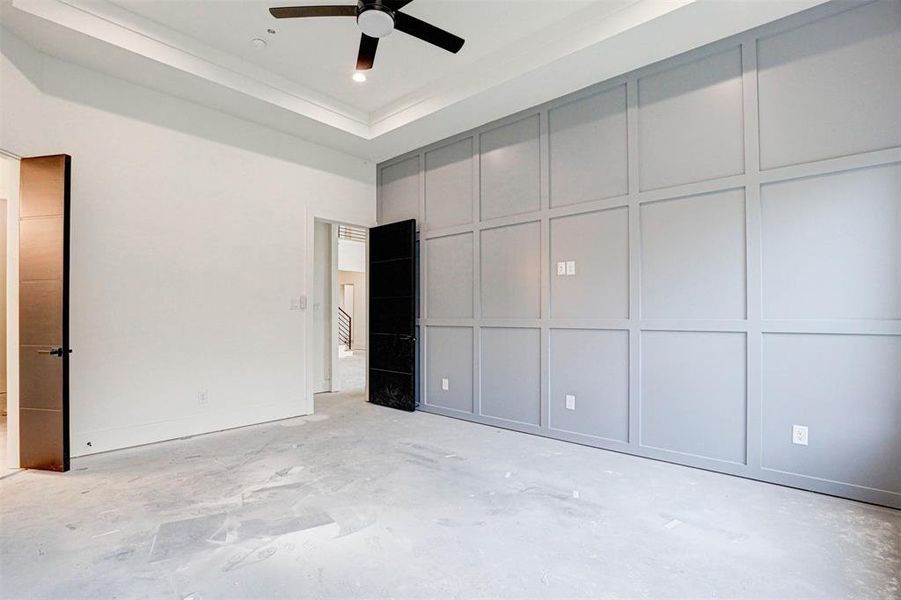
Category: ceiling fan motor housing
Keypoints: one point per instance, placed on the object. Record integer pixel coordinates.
(375, 19)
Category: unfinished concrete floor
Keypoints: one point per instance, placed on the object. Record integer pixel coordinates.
(351, 371)
(361, 501)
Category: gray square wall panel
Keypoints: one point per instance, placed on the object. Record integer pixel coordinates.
(711, 304)
(449, 351)
(592, 366)
(511, 374)
(693, 257)
(449, 276)
(846, 389)
(831, 246)
(693, 393)
(832, 87)
(448, 185)
(509, 166)
(588, 142)
(511, 272)
(598, 243)
(690, 122)
(399, 191)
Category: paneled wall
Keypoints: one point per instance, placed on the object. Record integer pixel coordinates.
(731, 223)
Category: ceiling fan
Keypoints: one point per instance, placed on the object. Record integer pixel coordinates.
(376, 18)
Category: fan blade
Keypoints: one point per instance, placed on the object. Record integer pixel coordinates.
(427, 33)
(396, 4)
(366, 57)
(291, 12)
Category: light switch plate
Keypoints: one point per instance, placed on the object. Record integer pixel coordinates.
(799, 435)
(445, 384)
(561, 268)
(570, 267)
(571, 401)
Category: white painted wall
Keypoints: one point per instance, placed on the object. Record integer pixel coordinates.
(351, 255)
(191, 233)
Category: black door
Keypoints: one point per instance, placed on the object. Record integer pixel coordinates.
(392, 297)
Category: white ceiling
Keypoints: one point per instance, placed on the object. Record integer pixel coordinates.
(321, 53)
(518, 53)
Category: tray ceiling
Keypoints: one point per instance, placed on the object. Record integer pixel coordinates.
(517, 53)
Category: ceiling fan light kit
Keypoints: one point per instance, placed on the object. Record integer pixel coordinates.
(376, 19)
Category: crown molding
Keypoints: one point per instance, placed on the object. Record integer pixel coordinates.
(589, 46)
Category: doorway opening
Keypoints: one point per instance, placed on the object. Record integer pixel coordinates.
(352, 325)
(9, 173)
(339, 307)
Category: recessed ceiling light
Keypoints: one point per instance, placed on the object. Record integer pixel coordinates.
(258, 43)
(359, 77)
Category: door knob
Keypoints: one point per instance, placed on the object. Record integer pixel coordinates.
(53, 352)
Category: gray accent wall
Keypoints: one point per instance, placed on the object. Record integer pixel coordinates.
(732, 222)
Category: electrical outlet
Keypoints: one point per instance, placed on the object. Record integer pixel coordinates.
(202, 398)
(445, 384)
(561, 268)
(570, 267)
(799, 434)
(571, 401)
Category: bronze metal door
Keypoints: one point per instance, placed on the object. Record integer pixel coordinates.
(44, 313)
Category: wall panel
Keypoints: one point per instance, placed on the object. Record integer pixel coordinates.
(693, 393)
(693, 257)
(511, 271)
(449, 276)
(511, 378)
(509, 169)
(831, 87)
(847, 390)
(690, 121)
(728, 281)
(598, 242)
(588, 148)
(831, 246)
(449, 351)
(448, 185)
(593, 366)
(399, 191)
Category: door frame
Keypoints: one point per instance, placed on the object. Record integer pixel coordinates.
(12, 312)
(324, 214)
(324, 382)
